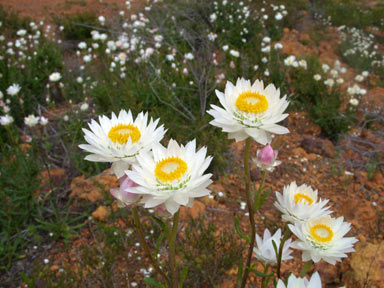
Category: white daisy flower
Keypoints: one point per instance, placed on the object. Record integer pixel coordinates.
(120, 139)
(278, 16)
(43, 121)
(13, 89)
(317, 77)
(265, 251)
(6, 120)
(323, 238)
(354, 102)
(300, 203)
(298, 282)
(325, 68)
(171, 176)
(31, 120)
(250, 111)
(234, 53)
(54, 77)
(303, 64)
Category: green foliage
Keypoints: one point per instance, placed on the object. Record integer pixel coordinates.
(357, 49)
(32, 75)
(78, 26)
(18, 183)
(351, 13)
(13, 21)
(207, 268)
(322, 103)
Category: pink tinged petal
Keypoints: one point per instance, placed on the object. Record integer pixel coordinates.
(121, 193)
(266, 155)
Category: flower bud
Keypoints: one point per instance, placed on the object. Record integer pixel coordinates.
(266, 158)
(120, 194)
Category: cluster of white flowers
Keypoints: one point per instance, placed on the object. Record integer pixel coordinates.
(33, 120)
(291, 61)
(360, 44)
(250, 110)
(320, 236)
(163, 178)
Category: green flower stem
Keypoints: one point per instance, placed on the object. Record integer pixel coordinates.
(306, 268)
(256, 204)
(147, 251)
(247, 177)
(172, 246)
(265, 279)
(287, 234)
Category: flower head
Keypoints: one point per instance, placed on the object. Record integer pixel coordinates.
(298, 282)
(120, 139)
(13, 89)
(266, 158)
(54, 77)
(300, 203)
(323, 238)
(317, 77)
(265, 251)
(171, 176)
(250, 111)
(354, 102)
(31, 120)
(43, 121)
(6, 120)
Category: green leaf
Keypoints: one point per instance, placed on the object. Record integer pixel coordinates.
(153, 282)
(275, 248)
(260, 274)
(262, 199)
(158, 242)
(184, 273)
(238, 230)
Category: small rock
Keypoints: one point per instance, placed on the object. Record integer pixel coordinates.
(299, 152)
(378, 178)
(54, 267)
(368, 264)
(360, 213)
(92, 189)
(102, 213)
(312, 157)
(329, 273)
(318, 146)
(196, 211)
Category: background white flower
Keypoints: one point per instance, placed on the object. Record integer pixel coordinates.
(13, 89)
(31, 120)
(6, 120)
(265, 251)
(54, 77)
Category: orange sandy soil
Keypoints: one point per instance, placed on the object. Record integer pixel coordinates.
(45, 9)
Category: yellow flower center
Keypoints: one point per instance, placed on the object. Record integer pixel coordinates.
(299, 197)
(122, 132)
(251, 102)
(321, 233)
(171, 168)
